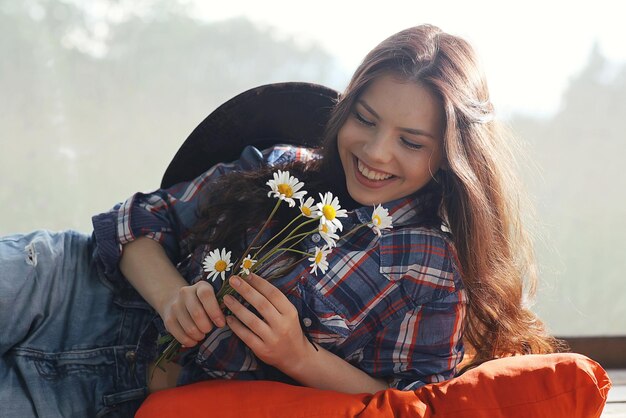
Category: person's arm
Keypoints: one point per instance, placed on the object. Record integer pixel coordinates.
(278, 340)
(164, 216)
(322, 369)
(138, 242)
(188, 312)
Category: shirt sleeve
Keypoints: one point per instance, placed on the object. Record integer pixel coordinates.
(166, 215)
(424, 345)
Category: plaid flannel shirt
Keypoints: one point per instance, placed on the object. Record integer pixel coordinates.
(393, 306)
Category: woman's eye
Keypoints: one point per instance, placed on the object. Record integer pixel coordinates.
(362, 120)
(410, 144)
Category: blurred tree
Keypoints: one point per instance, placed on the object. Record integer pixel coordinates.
(581, 200)
(98, 96)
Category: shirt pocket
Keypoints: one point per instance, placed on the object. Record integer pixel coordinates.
(421, 266)
(322, 322)
(394, 261)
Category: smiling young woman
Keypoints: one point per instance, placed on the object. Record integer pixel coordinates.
(415, 132)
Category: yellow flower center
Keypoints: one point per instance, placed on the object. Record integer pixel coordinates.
(318, 257)
(220, 266)
(306, 210)
(329, 212)
(324, 228)
(285, 189)
(247, 264)
(376, 220)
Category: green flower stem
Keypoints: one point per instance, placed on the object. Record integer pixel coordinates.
(295, 263)
(226, 289)
(276, 235)
(301, 237)
(168, 354)
(291, 250)
(291, 234)
(288, 236)
(352, 231)
(258, 235)
(284, 241)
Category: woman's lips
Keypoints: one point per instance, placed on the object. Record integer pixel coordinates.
(367, 182)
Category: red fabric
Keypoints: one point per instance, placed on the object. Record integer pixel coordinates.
(554, 385)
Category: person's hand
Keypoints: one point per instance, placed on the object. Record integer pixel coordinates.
(276, 337)
(191, 312)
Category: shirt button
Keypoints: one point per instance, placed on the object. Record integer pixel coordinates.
(316, 238)
(130, 356)
(307, 322)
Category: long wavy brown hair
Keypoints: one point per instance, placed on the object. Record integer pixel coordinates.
(480, 201)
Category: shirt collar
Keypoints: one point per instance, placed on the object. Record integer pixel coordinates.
(412, 209)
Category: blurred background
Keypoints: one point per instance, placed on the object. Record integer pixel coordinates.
(96, 96)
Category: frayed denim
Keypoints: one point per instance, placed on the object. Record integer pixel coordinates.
(68, 348)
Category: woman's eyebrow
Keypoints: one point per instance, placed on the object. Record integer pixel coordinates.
(368, 107)
(412, 131)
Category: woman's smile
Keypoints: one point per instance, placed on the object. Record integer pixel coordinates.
(370, 177)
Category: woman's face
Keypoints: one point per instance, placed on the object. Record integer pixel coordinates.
(391, 143)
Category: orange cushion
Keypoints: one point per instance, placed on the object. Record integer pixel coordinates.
(554, 385)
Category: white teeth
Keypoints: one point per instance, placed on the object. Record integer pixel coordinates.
(371, 174)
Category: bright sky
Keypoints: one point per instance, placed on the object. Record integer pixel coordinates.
(529, 49)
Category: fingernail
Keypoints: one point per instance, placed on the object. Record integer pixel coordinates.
(219, 322)
(228, 299)
(229, 319)
(235, 282)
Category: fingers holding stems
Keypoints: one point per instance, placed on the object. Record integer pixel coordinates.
(274, 335)
(192, 313)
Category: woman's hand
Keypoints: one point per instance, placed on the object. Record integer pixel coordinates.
(191, 312)
(276, 337)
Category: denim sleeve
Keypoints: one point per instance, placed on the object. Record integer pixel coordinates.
(424, 345)
(164, 215)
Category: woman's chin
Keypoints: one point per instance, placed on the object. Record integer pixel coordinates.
(363, 199)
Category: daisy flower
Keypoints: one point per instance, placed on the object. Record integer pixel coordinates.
(329, 210)
(380, 220)
(217, 264)
(319, 260)
(247, 264)
(328, 233)
(285, 187)
(306, 207)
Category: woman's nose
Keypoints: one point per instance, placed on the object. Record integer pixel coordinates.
(379, 147)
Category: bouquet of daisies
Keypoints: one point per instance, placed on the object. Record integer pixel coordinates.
(321, 218)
